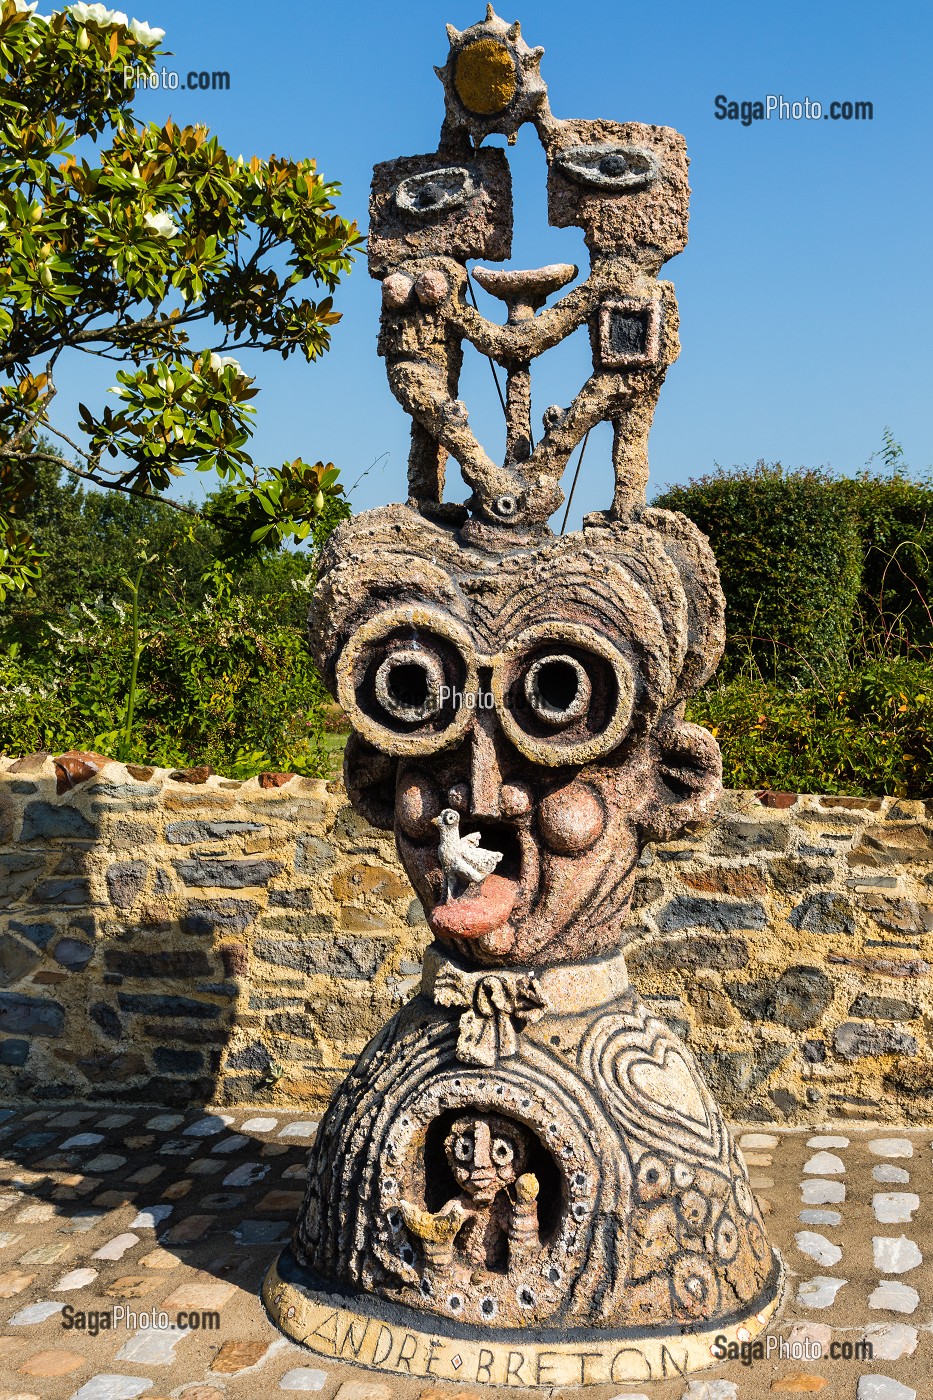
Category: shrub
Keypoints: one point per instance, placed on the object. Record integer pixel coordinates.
(229, 684)
(788, 549)
(894, 516)
(861, 729)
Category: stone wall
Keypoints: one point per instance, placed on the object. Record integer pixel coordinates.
(172, 937)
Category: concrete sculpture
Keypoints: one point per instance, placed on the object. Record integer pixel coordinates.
(524, 1180)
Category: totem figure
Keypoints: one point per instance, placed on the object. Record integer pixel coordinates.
(524, 1179)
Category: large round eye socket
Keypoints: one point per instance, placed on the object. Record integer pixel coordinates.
(609, 167)
(558, 689)
(402, 678)
(502, 1151)
(463, 1148)
(435, 191)
(563, 692)
(410, 684)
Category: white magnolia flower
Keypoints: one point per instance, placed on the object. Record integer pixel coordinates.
(145, 35)
(23, 9)
(162, 224)
(220, 363)
(99, 14)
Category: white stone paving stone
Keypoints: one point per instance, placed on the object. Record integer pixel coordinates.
(306, 1378)
(825, 1164)
(209, 1126)
(106, 1162)
(298, 1130)
(231, 1144)
(820, 1142)
(153, 1346)
(886, 1173)
(894, 1207)
(822, 1193)
(756, 1140)
(151, 1216)
(246, 1175)
(894, 1297)
(34, 1313)
(891, 1147)
(891, 1340)
(895, 1255)
(115, 1120)
(820, 1217)
(261, 1125)
(82, 1140)
(71, 1119)
(77, 1278)
(165, 1122)
(35, 1213)
(117, 1247)
(178, 1147)
(711, 1390)
(883, 1388)
(817, 1247)
(819, 1332)
(819, 1292)
(113, 1388)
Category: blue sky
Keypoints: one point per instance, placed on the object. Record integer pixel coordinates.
(805, 290)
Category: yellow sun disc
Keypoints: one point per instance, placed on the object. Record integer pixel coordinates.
(485, 77)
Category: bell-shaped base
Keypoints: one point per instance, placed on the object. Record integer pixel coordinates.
(368, 1332)
(526, 1163)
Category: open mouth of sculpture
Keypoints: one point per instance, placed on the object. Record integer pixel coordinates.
(480, 909)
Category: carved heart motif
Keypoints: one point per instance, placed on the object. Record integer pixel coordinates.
(660, 1098)
(671, 1085)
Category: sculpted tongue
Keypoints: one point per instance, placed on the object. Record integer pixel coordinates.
(481, 910)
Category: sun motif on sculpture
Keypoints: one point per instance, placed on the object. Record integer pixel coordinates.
(492, 81)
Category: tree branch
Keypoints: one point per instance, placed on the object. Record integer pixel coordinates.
(106, 485)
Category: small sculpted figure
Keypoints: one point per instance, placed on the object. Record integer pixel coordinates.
(495, 1214)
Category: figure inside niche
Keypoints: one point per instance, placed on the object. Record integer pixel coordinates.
(493, 1223)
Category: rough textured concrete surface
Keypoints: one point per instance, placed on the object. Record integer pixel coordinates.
(525, 1145)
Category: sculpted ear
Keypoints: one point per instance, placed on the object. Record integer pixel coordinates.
(369, 777)
(687, 779)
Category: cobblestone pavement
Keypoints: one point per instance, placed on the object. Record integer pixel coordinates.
(152, 1211)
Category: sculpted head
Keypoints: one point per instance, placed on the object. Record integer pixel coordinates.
(486, 1154)
(540, 696)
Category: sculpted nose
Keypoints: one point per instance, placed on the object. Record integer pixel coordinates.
(485, 772)
(481, 1146)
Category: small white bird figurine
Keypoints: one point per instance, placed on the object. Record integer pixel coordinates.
(463, 861)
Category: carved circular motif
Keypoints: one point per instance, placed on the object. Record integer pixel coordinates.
(587, 737)
(484, 77)
(694, 1285)
(365, 657)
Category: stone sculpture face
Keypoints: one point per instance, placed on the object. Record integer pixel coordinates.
(541, 700)
(486, 1154)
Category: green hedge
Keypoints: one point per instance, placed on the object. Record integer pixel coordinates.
(230, 684)
(788, 549)
(814, 564)
(894, 516)
(863, 730)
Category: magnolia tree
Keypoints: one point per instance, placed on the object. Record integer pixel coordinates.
(150, 246)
